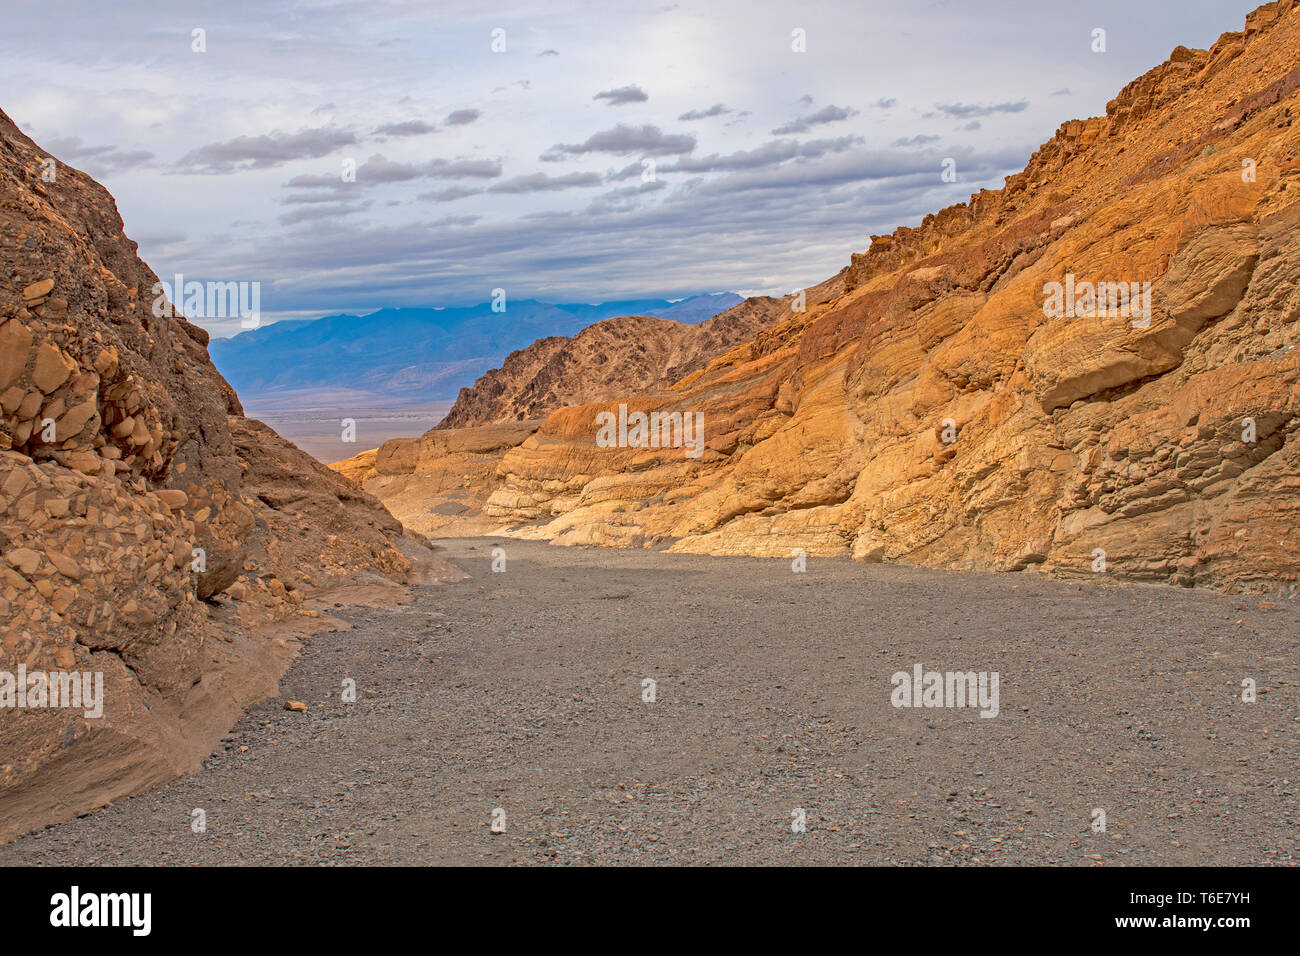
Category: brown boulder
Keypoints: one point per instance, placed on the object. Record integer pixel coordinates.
(15, 349)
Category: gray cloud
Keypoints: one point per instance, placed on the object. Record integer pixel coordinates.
(313, 213)
(72, 147)
(463, 168)
(623, 95)
(379, 170)
(462, 117)
(300, 199)
(266, 151)
(627, 172)
(885, 102)
(827, 114)
(638, 190)
(96, 160)
(623, 140)
(769, 154)
(455, 221)
(317, 181)
(623, 199)
(968, 110)
(921, 139)
(450, 194)
(542, 182)
(835, 168)
(717, 109)
(408, 128)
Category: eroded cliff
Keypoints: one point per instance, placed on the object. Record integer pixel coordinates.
(150, 533)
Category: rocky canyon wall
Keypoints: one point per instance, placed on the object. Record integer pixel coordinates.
(149, 533)
(935, 406)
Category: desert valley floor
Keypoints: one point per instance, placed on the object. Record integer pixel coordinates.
(522, 691)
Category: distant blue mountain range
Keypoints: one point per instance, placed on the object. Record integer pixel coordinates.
(417, 354)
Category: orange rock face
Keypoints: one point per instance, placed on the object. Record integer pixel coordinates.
(948, 406)
(442, 480)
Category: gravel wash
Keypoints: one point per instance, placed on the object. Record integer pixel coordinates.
(516, 702)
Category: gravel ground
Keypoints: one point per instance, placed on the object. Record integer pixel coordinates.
(523, 691)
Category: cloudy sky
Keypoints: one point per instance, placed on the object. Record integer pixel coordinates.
(564, 151)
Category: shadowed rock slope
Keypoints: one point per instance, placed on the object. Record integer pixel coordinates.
(148, 531)
(931, 411)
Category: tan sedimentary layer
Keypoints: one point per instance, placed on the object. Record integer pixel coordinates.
(441, 481)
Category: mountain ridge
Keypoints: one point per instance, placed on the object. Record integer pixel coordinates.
(417, 353)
